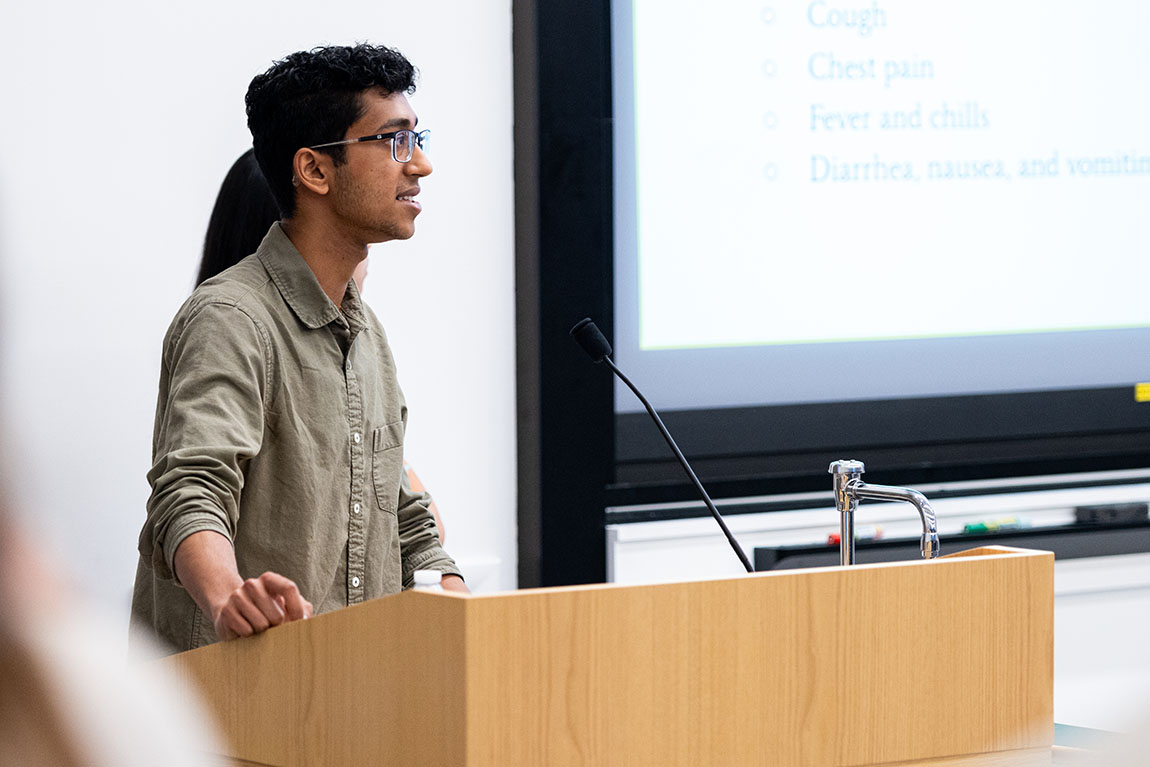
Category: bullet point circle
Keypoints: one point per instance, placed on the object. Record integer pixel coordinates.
(769, 68)
(768, 15)
(770, 171)
(770, 120)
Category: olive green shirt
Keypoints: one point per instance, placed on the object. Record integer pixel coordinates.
(280, 425)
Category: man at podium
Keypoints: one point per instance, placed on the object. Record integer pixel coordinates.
(277, 478)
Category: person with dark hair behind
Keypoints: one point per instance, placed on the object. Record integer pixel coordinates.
(243, 212)
(277, 477)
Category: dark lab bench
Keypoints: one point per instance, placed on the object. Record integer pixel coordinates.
(1072, 541)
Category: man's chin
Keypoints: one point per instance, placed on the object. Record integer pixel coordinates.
(392, 233)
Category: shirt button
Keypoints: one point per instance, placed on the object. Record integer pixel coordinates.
(355, 581)
(355, 437)
(355, 508)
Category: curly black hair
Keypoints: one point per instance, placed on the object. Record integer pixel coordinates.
(312, 97)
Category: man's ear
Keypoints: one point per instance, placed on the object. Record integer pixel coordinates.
(312, 170)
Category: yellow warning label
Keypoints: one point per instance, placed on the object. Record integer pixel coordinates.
(1142, 392)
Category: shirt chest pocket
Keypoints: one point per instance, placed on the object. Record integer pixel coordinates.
(387, 464)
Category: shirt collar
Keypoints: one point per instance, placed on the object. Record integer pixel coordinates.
(298, 285)
(353, 308)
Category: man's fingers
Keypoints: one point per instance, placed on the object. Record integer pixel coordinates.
(250, 612)
(307, 608)
(231, 624)
(268, 605)
(260, 603)
(294, 605)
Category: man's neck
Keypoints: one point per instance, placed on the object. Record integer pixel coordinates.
(330, 253)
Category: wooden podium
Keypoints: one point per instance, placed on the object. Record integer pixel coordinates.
(865, 665)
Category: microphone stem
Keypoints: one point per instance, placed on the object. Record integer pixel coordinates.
(686, 466)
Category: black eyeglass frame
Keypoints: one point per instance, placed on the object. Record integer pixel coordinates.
(418, 138)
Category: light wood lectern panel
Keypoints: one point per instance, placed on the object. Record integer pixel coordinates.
(830, 666)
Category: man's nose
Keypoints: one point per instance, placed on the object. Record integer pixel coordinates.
(419, 165)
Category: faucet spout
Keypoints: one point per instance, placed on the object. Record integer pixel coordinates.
(861, 490)
(849, 489)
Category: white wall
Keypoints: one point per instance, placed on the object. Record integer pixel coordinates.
(120, 120)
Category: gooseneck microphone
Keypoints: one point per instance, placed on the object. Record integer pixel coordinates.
(588, 336)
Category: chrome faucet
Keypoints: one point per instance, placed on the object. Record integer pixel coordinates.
(850, 489)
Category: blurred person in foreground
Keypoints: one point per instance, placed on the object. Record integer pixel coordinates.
(278, 481)
(68, 696)
(244, 210)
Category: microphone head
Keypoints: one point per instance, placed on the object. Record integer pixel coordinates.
(587, 335)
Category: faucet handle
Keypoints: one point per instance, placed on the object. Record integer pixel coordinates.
(851, 468)
(845, 473)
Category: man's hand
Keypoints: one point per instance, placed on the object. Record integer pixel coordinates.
(257, 605)
(454, 583)
(206, 565)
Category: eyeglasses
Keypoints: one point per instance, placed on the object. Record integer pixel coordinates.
(403, 143)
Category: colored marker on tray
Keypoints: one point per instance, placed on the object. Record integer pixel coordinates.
(1001, 524)
(863, 533)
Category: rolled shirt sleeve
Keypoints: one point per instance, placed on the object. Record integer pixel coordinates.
(418, 536)
(209, 423)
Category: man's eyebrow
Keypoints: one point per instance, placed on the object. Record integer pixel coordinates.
(397, 122)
